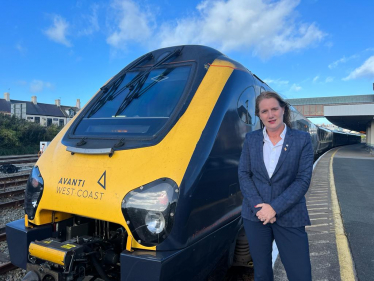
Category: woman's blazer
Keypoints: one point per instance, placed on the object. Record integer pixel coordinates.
(285, 190)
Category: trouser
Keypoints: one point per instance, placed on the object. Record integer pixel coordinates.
(292, 243)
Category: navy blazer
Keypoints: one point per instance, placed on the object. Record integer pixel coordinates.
(285, 190)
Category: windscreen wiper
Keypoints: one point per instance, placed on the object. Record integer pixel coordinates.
(155, 81)
(110, 91)
(138, 91)
(131, 95)
(137, 83)
(175, 53)
(108, 95)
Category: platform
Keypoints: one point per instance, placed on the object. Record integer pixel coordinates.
(340, 204)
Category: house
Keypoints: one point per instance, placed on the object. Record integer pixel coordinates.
(42, 113)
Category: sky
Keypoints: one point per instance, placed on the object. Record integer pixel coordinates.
(68, 49)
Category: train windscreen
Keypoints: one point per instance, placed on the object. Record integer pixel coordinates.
(138, 103)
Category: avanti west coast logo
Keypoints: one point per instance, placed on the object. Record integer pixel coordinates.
(76, 187)
(102, 180)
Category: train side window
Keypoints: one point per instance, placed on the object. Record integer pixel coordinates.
(246, 106)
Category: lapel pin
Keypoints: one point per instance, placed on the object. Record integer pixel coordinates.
(285, 149)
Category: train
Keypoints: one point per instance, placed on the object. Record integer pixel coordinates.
(142, 184)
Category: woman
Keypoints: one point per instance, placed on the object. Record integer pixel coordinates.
(275, 170)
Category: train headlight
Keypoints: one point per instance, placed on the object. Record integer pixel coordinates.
(155, 222)
(150, 209)
(33, 193)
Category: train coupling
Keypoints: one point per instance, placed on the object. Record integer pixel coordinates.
(72, 259)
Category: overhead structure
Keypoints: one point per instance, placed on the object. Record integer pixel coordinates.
(355, 113)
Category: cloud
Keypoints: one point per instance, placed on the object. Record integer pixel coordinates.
(131, 24)
(263, 28)
(364, 71)
(21, 48)
(22, 82)
(90, 21)
(37, 86)
(342, 60)
(295, 88)
(329, 79)
(329, 44)
(315, 79)
(58, 31)
(266, 28)
(277, 82)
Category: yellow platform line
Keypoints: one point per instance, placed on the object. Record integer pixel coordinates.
(347, 272)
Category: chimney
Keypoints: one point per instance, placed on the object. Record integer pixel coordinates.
(7, 96)
(58, 102)
(78, 104)
(33, 99)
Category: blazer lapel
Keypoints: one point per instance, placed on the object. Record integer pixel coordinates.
(260, 149)
(287, 145)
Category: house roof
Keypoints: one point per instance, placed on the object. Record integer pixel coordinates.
(4, 105)
(37, 109)
(43, 109)
(65, 107)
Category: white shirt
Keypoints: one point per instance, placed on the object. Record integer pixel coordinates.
(272, 152)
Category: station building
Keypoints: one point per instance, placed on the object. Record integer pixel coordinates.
(42, 113)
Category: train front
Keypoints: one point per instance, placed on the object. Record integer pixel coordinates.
(105, 199)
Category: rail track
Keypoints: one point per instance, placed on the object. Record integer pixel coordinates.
(31, 159)
(2, 234)
(9, 157)
(11, 190)
(13, 181)
(5, 264)
(13, 203)
(10, 193)
(11, 198)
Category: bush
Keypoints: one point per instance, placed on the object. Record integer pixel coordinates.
(18, 136)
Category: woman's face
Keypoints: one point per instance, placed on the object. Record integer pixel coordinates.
(271, 114)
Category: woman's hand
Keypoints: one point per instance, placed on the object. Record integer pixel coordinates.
(266, 214)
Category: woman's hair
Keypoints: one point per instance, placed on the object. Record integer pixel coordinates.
(282, 103)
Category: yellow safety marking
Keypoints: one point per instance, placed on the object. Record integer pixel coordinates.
(68, 246)
(47, 254)
(26, 221)
(344, 253)
(129, 243)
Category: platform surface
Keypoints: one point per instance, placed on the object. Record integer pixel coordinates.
(353, 175)
(354, 180)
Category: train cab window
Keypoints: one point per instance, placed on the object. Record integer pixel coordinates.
(138, 103)
(246, 106)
